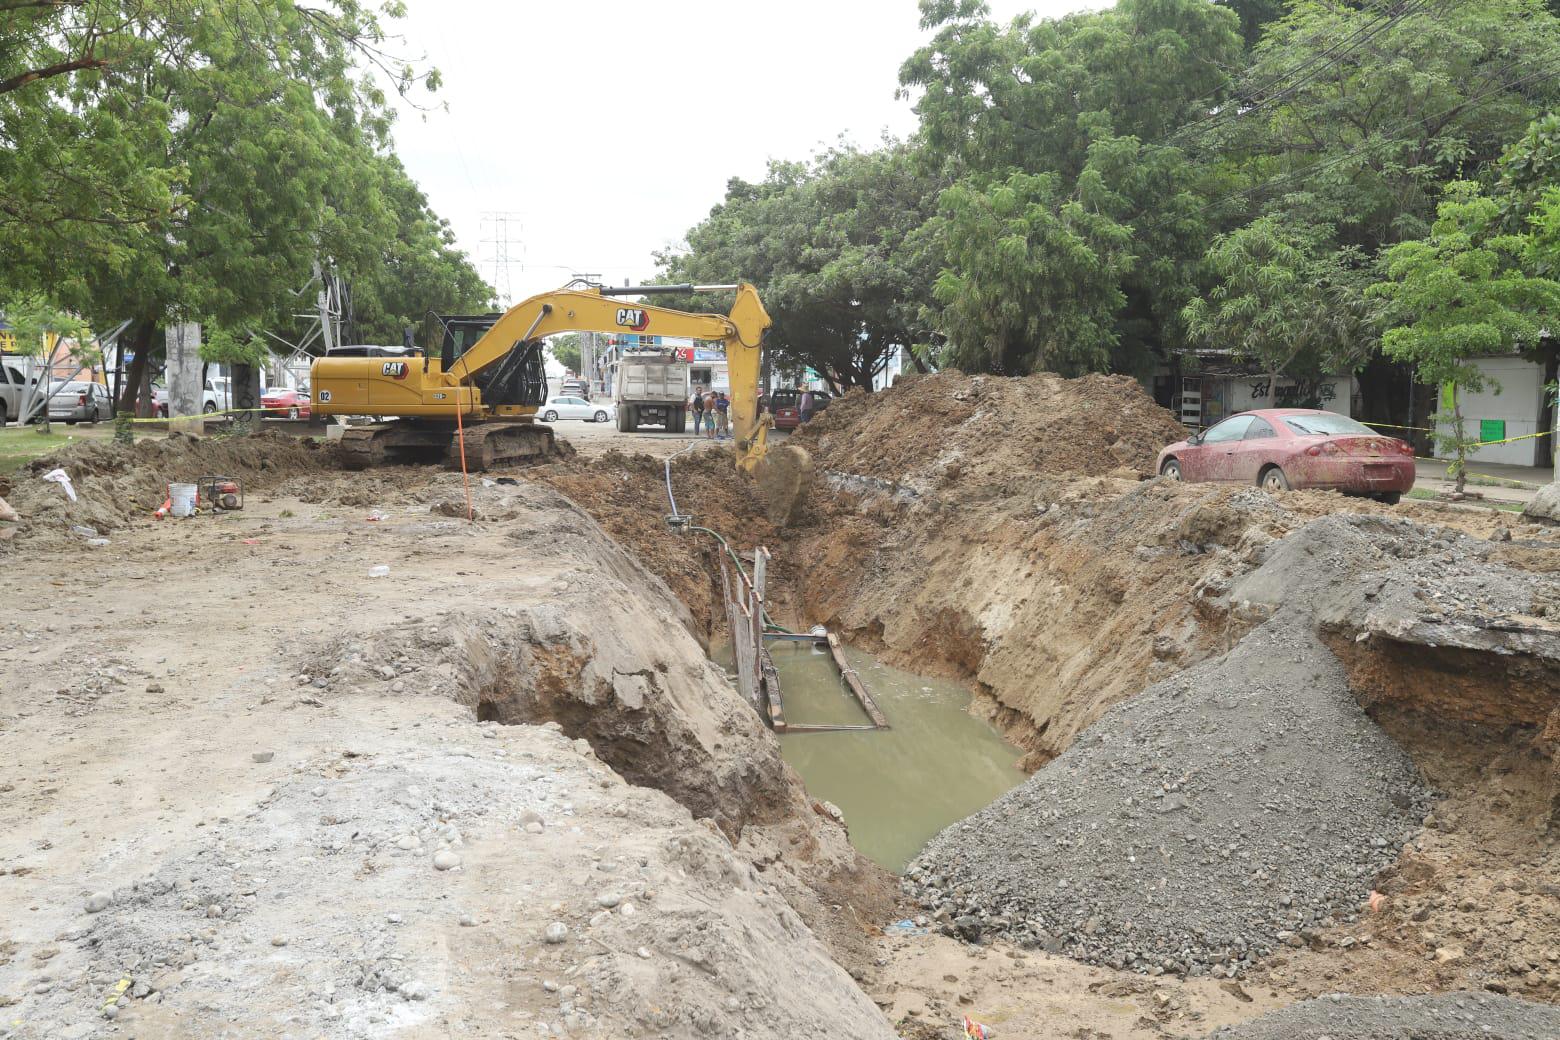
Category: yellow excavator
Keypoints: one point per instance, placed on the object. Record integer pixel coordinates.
(477, 397)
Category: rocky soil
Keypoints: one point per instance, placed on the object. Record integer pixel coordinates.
(116, 485)
(1196, 827)
(1451, 1016)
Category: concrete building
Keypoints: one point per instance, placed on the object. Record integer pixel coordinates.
(1513, 404)
(1204, 398)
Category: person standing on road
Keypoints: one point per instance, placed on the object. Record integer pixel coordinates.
(696, 405)
(722, 410)
(804, 407)
(709, 416)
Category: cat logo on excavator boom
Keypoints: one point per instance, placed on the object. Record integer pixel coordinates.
(635, 318)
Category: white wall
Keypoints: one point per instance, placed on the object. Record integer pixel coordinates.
(1246, 392)
(1517, 401)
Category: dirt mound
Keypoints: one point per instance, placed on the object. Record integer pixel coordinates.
(116, 483)
(950, 428)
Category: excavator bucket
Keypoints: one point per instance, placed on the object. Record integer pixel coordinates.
(784, 474)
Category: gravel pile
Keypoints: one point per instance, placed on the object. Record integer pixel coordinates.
(1218, 815)
(1446, 1016)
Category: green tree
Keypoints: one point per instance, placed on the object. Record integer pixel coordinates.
(409, 265)
(1035, 95)
(566, 351)
(1254, 16)
(1033, 279)
(1353, 115)
(1464, 292)
(837, 249)
(201, 158)
(1072, 238)
(1283, 299)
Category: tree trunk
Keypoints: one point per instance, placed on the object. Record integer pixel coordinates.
(246, 397)
(130, 385)
(1462, 441)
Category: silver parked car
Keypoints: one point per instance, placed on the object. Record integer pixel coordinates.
(80, 402)
(567, 407)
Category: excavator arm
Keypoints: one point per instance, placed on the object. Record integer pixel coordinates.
(598, 309)
(429, 402)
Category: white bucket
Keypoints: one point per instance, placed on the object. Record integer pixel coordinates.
(181, 498)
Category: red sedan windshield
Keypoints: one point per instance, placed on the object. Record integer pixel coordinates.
(1327, 424)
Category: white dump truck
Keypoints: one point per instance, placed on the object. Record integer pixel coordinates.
(651, 389)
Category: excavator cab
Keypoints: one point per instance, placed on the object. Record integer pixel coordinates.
(520, 379)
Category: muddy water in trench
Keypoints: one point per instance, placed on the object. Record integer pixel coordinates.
(897, 787)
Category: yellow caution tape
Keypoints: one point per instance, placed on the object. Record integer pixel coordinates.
(203, 415)
(1394, 426)
(1518, 437)
(119, 991)
(1479, 444)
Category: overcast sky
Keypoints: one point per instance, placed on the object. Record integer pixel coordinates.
(607, 129)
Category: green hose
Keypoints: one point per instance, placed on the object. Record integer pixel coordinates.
(769, 624)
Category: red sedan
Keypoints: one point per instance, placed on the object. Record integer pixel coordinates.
(1283, 448)
(292, 403)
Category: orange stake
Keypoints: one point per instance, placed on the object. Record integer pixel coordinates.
(465, 478)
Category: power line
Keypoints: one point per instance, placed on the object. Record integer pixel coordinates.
(1276, 88)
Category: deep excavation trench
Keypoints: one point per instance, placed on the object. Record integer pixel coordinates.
(1054, 591)
(1063, 593)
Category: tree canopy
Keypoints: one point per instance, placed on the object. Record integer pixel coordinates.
(1112, 190)
(173, 160)
(838, 250)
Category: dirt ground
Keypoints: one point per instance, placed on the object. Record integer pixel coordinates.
(229, 761)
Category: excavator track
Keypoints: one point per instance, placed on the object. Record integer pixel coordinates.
(382, 444)
(491, 445)
(488, 445)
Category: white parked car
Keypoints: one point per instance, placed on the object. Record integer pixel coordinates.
(563, 407)
(217, 396)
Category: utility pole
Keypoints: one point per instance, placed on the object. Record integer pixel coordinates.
(502, 229)
(588, 351)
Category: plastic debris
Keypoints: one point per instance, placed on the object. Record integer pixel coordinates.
(974, 1030)
(381, 571)
(62, 478)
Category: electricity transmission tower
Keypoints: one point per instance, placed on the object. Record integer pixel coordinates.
(501, 231)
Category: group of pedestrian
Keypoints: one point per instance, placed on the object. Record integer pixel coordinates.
(711, 413)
